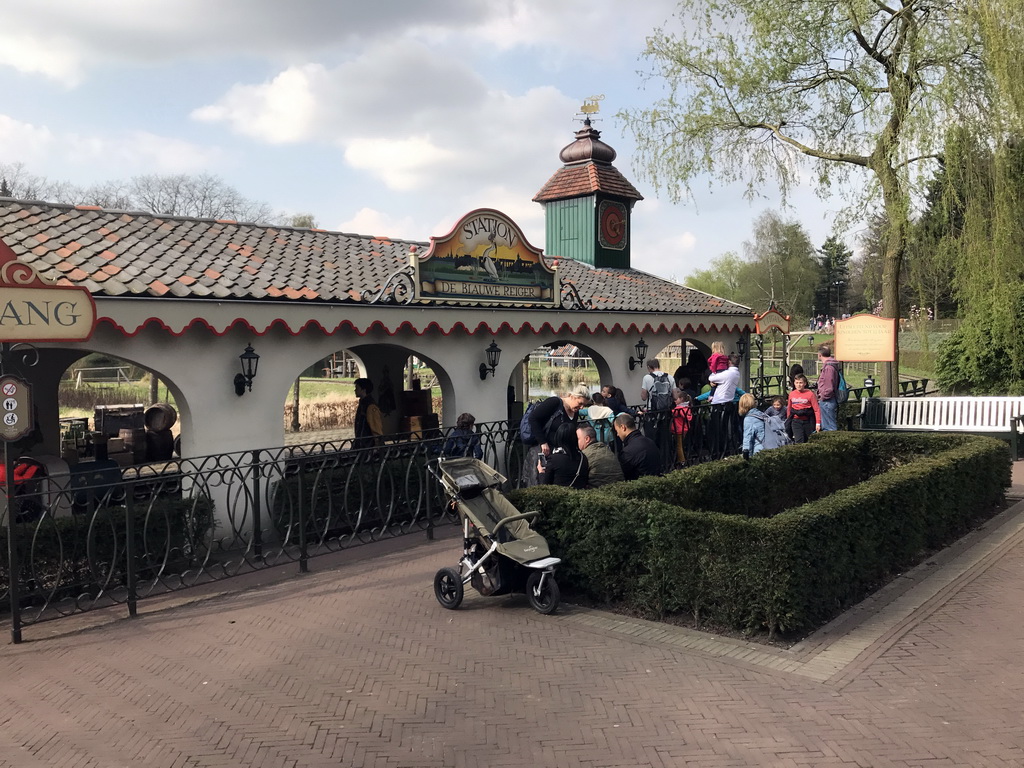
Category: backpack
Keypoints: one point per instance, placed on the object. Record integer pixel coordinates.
(775, 435)
(525, 430)
(774, 432)
(661, 393)
(842, 389)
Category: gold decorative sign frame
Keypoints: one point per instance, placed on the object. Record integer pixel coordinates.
(485, 259)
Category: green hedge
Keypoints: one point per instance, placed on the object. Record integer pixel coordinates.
(782, 542)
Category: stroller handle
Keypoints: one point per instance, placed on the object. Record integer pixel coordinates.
(512, 518)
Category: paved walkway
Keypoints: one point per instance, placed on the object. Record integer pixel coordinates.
(356, 665)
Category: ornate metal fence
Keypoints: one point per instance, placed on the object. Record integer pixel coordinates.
(104, 536)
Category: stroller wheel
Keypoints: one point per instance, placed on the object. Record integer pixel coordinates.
(448, 588)
(544, 599)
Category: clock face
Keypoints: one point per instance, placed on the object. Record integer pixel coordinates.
(612, 225)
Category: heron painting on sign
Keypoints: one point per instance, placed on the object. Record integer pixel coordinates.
(485, 259)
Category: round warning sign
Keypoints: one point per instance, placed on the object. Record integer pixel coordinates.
(17, 408)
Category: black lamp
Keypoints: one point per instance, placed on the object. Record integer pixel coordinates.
(493, 353)
(741, 345)
(250, 361)
(641, 354)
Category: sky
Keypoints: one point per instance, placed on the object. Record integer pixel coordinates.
(388, 118)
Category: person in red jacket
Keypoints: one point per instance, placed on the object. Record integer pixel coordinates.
(804, 414)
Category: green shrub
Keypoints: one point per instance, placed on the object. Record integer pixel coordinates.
(782, 542)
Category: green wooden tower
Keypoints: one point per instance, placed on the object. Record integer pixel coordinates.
(587, 204)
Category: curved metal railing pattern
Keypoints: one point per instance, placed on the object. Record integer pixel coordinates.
(104, 536)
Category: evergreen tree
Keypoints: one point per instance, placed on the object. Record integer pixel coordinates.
(834, 258)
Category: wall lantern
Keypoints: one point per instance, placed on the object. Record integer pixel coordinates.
(641, 354)
(741, 345)
(250, 361)
(493, 353)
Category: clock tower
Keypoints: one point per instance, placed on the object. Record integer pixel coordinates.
(587, 204)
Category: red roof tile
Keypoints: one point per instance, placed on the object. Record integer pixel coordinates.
(299, 264)
(586, 179)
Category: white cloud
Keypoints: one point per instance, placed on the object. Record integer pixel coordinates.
(53, 56)
(24, 142)
(368, 221)
(410, 116)
(57, 154)
(402, 164)
(283, 110)
(60, 40)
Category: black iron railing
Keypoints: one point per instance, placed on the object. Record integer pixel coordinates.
(104, 536)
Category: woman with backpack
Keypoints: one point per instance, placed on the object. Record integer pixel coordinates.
(542, 420)
(753, 426)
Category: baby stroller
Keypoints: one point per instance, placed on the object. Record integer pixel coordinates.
(501, 554)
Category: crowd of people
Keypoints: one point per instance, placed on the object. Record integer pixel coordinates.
(585, 440)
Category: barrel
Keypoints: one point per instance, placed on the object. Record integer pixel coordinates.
(159, 445)
(160, 417)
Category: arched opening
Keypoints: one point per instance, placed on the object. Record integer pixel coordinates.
(112, 408)
(560, 365)
(410, 389)
(686, 360)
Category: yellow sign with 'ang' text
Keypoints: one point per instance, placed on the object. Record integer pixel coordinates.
(35, 309)
(866, 339)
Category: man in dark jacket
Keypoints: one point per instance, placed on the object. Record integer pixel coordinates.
(639, 455)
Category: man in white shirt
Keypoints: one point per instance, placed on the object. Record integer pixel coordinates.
(726, 382)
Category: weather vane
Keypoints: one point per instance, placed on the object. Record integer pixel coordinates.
(591, 106)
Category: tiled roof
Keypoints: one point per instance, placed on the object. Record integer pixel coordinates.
(114, 253)
(633, 290)
(586, 179)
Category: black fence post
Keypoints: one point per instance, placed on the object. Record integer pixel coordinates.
(303, 553)
(428, 492)
(13, 568)
(257, 524)
(131, 571)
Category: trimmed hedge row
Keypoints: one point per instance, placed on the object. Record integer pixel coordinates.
(782, 542)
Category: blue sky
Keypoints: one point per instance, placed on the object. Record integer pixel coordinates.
(388, 118)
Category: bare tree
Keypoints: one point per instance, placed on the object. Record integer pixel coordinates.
(201, 196)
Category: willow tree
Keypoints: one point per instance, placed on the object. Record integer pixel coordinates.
(985, 167)
(755, 90)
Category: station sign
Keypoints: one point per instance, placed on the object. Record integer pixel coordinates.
(485, 259)
(33, 308)
(15, 408)
(772, 319)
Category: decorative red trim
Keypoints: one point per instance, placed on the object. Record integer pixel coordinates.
(432, 327)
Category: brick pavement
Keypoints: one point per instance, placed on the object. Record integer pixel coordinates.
(357, 665)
